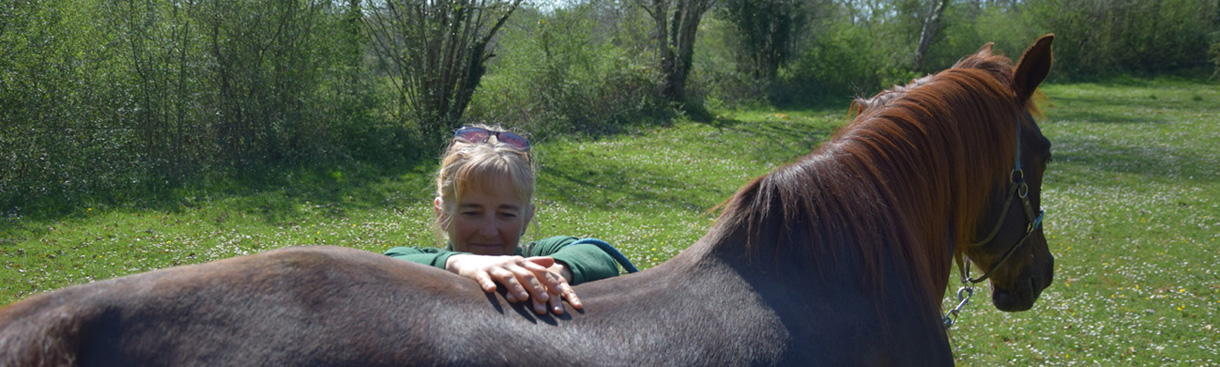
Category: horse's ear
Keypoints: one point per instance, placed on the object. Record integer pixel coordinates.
(985, 50)
(1035, 64)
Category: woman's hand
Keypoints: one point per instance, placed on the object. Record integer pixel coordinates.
(538, 278)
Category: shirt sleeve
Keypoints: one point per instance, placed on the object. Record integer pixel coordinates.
(427, 256)
(587, 262)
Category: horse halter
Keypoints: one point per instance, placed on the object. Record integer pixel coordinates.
(1017, 188)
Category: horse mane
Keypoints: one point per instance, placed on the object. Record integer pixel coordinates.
(887, 183)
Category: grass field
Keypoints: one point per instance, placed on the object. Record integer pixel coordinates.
(1132, 203)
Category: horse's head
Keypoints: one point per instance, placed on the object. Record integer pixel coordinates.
(1011, 249)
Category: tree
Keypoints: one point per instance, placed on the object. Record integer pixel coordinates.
(931, 24)
(437, 50)
(156, 38)
(676, 23)
(767, 29)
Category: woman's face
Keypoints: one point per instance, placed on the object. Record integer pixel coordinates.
(489, 223)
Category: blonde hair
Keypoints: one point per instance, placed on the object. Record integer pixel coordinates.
(483, 166)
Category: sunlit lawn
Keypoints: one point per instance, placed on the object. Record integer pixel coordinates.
(1132, 202)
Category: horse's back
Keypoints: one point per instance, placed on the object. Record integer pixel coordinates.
(335, 306)
(297, 306)
(717, 313)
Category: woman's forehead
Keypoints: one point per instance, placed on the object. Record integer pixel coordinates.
(493, 179)
(496, 196)
(493, 184)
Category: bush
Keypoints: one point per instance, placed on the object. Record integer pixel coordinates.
(104, 101)
(846, 61)
(1103, 37)
(1214, 52)
(568, 72)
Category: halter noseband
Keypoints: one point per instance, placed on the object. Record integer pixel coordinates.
(1018, 188)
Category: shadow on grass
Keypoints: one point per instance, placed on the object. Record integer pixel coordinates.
(787, 134)
(1120, 101)
(335, 191)
(1122, 111)
(1181, 163)
(592, 180)
(622, 186)
(272, 194)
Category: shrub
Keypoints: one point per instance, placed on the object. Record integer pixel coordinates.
(568, 72)
(1214, 52)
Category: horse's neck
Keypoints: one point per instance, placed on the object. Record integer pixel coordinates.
(866, 199)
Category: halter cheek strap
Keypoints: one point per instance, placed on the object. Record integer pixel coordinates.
(1018, 188)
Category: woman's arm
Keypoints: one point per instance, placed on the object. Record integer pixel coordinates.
(585, 262)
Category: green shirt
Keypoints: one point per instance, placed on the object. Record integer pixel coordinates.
(587, 262)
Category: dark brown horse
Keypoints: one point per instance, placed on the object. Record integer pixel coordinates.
(840, 258)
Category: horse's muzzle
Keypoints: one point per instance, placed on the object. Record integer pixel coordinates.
(1026, 290)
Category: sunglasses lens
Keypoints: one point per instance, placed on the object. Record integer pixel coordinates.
(479, 135)
(515, 141)
(472, 134)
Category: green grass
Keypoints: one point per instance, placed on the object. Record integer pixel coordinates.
(1132, 202)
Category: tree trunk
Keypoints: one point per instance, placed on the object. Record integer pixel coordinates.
(677, 54)
(439, 50)
(931, 24)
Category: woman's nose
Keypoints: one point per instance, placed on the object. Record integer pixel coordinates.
(488, 228)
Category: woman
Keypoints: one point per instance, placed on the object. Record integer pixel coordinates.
(484, 195)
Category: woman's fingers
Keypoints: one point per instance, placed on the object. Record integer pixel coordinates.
(556, 279)
(556, 305)
(512, 281)
(525, 273)
(540, 280)
(569, 294)
(485, 281)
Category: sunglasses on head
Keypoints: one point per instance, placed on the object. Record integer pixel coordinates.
(479, 135)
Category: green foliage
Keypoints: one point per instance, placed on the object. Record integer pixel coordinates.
(110, 100)
(716, 79)
(1214, 53)
(766, 32)
(847, 60)
(859, 47)
(1112, 37)
(575, 70)
(58, 99)
(435, 53)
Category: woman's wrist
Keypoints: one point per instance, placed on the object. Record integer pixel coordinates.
(563, 270)
(451, 262)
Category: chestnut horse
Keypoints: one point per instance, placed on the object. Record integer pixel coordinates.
(840, 258)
